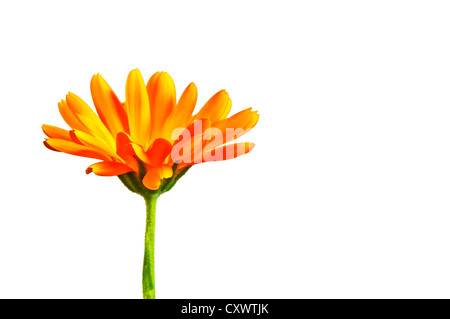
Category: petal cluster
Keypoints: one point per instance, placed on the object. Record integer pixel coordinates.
(150, 131)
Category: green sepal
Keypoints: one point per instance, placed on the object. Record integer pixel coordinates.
(133, 181)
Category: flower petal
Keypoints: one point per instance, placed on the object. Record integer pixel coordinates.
(125, 150)
(69, 117)
(56, 132)
(108, 106)
(74, 148)
(138, 108)
(140, 153)
(182, 112)
(217, 107)
(154, 175)
(162, 98)
(95, 143)
(158, 152)
(152, 179)
(166, 171)
(89, 119)
(237, 125)
(123, 144)
(108, 169)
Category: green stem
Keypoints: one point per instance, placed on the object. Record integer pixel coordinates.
(148, 271)
(133, 182)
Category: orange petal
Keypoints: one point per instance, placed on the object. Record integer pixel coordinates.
(186, 105)
(89, 119)
(108, 106)
(158, 152)
(74, 137)
(166, 171)
(237, 125)
(56, 132)
(227, 152)
(182, 112)
(140, 153)
(154, 175)
(152, 179)
(138, 108)
(74, 149)
(49, 147)
(95, 143)
(108, 169)
(69, 117)
(217, 107)
(162, 98)
(125, 151)
(243, 119)
(131, 162)
(123, 144)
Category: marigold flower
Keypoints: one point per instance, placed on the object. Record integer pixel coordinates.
(150, 140)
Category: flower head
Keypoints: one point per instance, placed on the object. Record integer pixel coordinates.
(151, 135)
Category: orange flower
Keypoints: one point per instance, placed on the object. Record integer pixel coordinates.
(150, 140)
(150, 135)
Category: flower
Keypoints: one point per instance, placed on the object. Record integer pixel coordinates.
(150, 140)
(150, 134)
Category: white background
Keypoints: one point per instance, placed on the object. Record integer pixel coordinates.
(346, 194)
